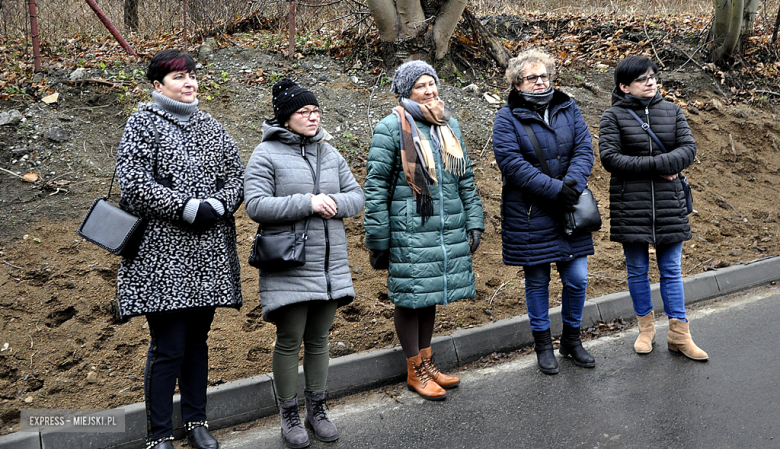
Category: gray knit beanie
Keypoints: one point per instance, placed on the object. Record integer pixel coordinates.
(407, 74)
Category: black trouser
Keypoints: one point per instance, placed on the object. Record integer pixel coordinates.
(177, 350)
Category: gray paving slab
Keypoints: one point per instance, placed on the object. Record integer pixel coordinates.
(738, 277)
(20, 440)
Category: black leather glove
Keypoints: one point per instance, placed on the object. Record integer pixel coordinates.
(379, 259)
(567, 197)
(475, 235)
(205, 218)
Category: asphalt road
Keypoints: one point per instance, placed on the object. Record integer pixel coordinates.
(660, 400)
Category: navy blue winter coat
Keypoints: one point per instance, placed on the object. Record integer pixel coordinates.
(532, 226)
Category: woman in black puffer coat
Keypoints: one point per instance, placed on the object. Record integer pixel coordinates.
(647, 201)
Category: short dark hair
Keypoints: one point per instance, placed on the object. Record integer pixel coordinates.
(631, 68)
(167, 61)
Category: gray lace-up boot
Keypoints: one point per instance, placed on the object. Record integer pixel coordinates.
(317, 419)
(294, 434)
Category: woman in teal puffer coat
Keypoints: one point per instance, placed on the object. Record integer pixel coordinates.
(422, 209)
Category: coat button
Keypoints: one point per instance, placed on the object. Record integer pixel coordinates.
(559, 158)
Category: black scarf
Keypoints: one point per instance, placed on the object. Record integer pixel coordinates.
(537, 102)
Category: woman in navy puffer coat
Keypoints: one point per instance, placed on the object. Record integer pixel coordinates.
(533, 203)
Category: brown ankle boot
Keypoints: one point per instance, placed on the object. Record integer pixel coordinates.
(420, 381)
(644, 342)
(679, 340)
(444, 380)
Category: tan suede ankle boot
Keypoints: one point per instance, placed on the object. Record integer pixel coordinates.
(420, 381)
(444, 380)
(644, 342)
(679, 340)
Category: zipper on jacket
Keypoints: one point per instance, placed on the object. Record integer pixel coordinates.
(327, 258)
(441, 228)
(652, 183)
(647, 123)
(324, 224)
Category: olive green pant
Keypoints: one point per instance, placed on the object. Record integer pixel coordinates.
(308, 322)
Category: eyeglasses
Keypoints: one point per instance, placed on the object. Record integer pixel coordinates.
(645, 79)
(535, 78)
(306, 113)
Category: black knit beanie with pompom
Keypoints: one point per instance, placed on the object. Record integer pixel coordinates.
(288, 97)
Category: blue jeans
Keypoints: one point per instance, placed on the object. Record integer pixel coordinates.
(574, 277)
(637, 266)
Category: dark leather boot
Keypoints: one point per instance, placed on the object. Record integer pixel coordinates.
(199, 438)
(545, 356)
(571, 345)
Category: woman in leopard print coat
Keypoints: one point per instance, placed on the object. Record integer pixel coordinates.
(179, 169)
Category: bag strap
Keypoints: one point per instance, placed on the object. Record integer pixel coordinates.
(156, 147)
(393, 176)
(646, 127)
(538, 149)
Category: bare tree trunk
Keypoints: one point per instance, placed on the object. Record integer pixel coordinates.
(411, 18)
(749, 16)
(777, 25)
(386, 19)
(445, 24)
(720, 26)
(131, 15)
(731, 39)
(494, 47)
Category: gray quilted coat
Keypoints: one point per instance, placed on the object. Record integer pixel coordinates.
(278, 184)
(176, 267)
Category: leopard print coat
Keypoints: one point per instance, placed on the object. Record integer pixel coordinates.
(177, 267)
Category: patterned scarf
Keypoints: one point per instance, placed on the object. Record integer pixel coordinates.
(416, 154)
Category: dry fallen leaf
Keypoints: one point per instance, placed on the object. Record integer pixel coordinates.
(49, 99)
(31, 177)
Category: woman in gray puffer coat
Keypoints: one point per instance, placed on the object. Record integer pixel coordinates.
(180, 170)
(302, 302)
(646, 196)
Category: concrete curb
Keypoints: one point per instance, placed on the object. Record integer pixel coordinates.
(248, 399)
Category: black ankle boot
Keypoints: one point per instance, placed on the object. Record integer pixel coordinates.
(571, 345)
(198, 437)
(545, 356)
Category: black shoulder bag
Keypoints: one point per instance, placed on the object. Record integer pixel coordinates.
(284, 250)
(381, 260)
(112, 228)
(585, 217)
(683, 180)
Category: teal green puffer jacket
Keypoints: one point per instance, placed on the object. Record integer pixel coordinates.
(429, 264)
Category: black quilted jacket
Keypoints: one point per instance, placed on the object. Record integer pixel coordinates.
(643, 207)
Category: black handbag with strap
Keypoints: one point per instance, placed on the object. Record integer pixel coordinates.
(584, 218)
(112, 228)
(283, 250)
(683, 180)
